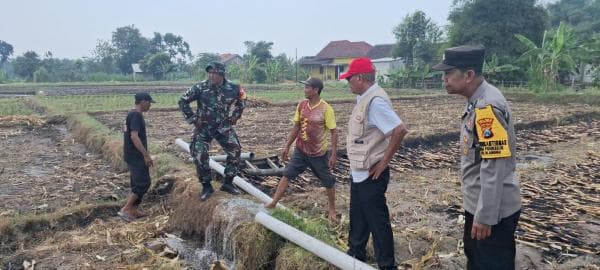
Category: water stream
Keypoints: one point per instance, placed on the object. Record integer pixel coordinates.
(218, 244)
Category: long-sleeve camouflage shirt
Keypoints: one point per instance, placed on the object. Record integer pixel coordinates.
(214, 103)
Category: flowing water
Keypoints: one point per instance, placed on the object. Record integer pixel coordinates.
(218, 245)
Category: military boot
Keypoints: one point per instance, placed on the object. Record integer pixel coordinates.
(207, 190)
(228, 186)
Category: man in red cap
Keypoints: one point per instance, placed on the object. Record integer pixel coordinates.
(374, 135)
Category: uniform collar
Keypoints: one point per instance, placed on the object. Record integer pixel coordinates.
(371, 89)
(472, 101)
(479, 92)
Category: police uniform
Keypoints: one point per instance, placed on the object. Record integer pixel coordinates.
(491, 191)
(214, 104)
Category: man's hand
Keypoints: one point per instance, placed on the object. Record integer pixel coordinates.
(233, 120)
(376, 170)
(332, 161)
(284, 153)
(480, 231)
(148, 160)
(198, 123)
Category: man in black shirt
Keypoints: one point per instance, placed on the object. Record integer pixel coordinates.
(135, 154)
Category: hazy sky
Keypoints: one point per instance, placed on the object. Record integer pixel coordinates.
(71, 28)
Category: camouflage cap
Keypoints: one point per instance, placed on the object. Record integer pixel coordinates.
(217, 67)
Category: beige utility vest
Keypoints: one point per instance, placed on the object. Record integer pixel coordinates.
(365, 145)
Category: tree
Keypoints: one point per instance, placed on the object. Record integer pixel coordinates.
(104, 58)
(582, 15)
(130, 47)
(157, 43)
(6, 50)
(175, 45)
(26, 65)
(417, 38)
(249, 73)
(493, 23)
(494, 71)
(172, 44)
(157, 64)
(204, 59)
(555, 53)
(261, 50)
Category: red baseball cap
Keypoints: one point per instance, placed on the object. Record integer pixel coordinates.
(358, 66)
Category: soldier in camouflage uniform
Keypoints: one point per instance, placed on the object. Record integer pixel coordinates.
(213, 120)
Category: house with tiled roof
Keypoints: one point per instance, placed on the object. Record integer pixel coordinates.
(230, 58)
(334, 58)
(381, 56)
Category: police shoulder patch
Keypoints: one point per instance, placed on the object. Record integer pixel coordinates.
(493, 138)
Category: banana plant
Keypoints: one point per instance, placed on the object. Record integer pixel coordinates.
(555, 53)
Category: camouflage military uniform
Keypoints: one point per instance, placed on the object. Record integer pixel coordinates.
(214, 106)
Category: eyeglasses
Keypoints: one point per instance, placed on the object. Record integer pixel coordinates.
(350, 78)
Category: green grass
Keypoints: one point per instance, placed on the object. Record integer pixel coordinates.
(314, 227)
(95, 103)
(277, 96)
(295, 95)
(590, 96)
(14, 106)
(274, 94)
(115, 102)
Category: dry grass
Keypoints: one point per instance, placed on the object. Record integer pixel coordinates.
(27, 230)
(190, 216)
(97, 137)
(294, 257)
(255, 246)
(20, 120)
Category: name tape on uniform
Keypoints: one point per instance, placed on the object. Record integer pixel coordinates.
(493, 138)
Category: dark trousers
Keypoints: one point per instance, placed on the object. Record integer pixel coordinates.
(369, 215)
(139, 178)
(497, 252)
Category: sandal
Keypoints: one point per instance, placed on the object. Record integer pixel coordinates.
(124, 216)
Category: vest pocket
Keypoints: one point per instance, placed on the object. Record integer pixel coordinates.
(359, 159)
(355, 125)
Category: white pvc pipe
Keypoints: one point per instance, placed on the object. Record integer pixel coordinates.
(243, 156)
(326, 252)
(238, 181)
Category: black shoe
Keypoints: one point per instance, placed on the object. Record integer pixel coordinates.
(229, 188)
(206, 192)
